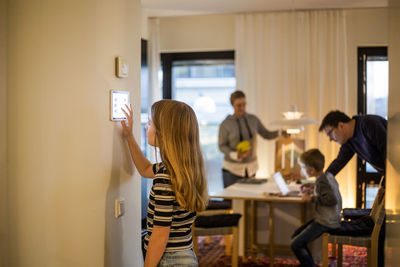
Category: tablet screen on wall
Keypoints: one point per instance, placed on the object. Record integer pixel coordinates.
(118, 101)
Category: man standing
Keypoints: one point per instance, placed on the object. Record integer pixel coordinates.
(238, 129)
(364, 135)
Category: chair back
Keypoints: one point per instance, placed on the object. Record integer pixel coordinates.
(377, 198)
(378, 214)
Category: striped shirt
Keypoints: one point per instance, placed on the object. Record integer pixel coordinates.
(164, 210)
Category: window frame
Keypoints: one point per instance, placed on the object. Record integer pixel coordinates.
(363, 177)
(167, 60)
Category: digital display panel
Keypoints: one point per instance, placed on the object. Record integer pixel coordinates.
(118, 101)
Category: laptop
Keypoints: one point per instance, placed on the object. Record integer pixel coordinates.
(283, 187)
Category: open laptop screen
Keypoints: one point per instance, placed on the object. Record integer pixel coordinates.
(281, 183)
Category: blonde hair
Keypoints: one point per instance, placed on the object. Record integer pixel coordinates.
(177, 135)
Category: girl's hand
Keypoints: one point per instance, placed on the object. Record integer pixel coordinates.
(127, 125)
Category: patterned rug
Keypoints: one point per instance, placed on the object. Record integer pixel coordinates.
(213, 254)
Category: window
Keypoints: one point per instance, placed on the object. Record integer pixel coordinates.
(204, 81)
(373, 88)
(144, 96)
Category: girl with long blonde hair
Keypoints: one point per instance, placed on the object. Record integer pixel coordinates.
(179, 187)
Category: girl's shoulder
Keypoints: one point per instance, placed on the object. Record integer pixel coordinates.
(161, 174)
(160, 168)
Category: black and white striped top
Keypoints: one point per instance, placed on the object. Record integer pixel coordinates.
(164, 210)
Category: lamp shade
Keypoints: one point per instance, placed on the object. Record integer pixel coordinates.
(293, 122)
(292, 119)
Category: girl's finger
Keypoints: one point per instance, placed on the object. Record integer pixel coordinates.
(129, 108)
(126, 114)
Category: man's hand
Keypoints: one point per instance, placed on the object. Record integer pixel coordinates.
(242, 155)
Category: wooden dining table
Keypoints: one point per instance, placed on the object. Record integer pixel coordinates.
(245, 195)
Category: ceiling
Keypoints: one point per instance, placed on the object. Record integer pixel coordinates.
(162, 8)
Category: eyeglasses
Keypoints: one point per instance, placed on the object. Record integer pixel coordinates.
(329, 133)
(240, 105)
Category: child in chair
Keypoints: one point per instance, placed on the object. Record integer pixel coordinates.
(327, 206)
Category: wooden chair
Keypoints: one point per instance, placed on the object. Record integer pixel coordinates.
(369, 241)
(354, 213)
(218, 224)
(350, 214)
(218, 206)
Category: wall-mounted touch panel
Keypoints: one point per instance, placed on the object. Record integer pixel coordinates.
(118, 100)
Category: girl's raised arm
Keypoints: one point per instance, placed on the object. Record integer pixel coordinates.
(143, 165)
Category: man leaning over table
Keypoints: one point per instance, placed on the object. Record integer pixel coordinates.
(364, 135)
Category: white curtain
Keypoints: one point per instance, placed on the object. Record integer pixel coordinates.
(294, 58)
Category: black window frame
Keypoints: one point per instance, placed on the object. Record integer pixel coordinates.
(167, 60)
(363, 177)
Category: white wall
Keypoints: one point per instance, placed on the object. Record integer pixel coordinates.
(365, 27)
(3, 137)
(67, 161)
(393, 163)
(197, 33)
(392, 241)
(144, 25)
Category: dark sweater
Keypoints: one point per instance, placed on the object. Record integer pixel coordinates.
(368, 142)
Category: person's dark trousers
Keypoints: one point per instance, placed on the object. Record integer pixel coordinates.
(229, 178)
(304, 235)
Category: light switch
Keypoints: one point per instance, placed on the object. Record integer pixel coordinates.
(121, 67)
(119, 208)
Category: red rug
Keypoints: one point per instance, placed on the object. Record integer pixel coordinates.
(213, 254)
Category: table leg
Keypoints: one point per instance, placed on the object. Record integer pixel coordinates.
(239, 206)
(271, 234)
(244, 230)
(253, 229)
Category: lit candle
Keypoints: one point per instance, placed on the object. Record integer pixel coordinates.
(292, 155)
(283, 156)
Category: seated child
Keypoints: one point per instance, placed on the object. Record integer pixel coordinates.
(327, 206)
